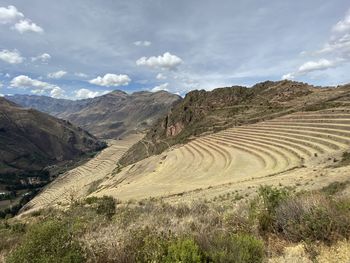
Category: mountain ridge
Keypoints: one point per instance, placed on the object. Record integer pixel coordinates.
(112, 115)
(31, 140)
(203, 112)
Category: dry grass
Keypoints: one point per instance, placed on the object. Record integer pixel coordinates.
(221, 230)
(340, 252)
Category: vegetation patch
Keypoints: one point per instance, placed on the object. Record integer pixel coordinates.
(335, 187)
(105, 230)
(345, 161)
(105, 205)
(94, 186)
(50, 241)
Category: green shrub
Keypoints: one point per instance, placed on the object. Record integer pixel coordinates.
(335, 187)
(317, 225)
(238, 248)
(143, 245)
(105, 205)
(185, 251)
(146, 245)
(313, 217)
(264, 208)
(51, 241)
(272, 197)
(91, 200)
(345, 160)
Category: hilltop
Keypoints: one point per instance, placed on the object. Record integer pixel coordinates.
(202, 112)
(113, 115)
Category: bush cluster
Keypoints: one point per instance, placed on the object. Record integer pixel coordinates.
(302, 217)
(105, 205)
(98, 231)
(50, 241)
(146, 245)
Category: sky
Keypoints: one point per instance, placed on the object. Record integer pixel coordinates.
(85, 48)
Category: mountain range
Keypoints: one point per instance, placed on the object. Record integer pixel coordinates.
(30, 141)
(113, 115)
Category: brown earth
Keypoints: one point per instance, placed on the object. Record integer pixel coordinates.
(31, 140)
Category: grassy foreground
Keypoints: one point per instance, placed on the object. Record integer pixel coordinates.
(229, 229)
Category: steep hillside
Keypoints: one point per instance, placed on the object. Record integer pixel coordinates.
(283, 179)
(31, 141)
(204, 112)
(112, 115)
(306, 149)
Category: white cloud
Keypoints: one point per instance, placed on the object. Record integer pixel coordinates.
(57, 75)
(12, 57)
(9, 15)
(2, 95)
(38, 91)
(23, 81)
(1, 85)
(337, 49)
(343, 25)
(321, 64)
(7, 75)
(289, 76)
(44, 58)
(166, 61)
(144, 43)
(111, 80)
(81, 75)
(310, 66)
(57, 92)
(160, 76)
(161, 87)
(86, 93)
(41, 87)
(26, 25)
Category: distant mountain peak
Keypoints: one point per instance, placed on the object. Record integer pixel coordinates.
(112, 115)
(118, 92)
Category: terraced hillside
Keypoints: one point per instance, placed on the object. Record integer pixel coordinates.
(202, 112)
(304, 147)
(249, 153)
(84, 179)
